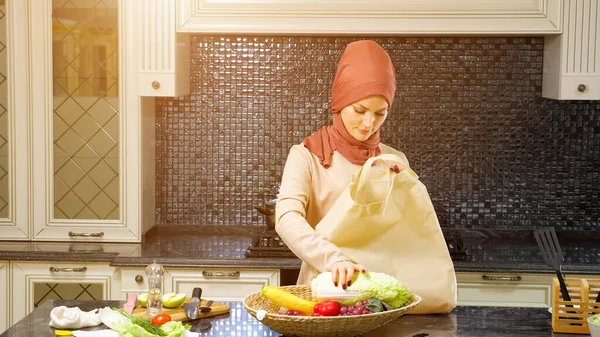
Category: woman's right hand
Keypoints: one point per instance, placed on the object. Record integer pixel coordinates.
(342, 272)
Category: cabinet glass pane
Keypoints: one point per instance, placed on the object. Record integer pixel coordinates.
(86, 118)
(4, 162)
(66, 291)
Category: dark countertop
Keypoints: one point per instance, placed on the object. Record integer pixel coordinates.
(462, 322)
(225, 246)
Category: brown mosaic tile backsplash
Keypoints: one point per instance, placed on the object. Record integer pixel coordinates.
(468, 114)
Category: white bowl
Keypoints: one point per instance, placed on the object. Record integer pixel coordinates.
(594, 328)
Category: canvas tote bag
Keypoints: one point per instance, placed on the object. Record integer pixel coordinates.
(386, 222)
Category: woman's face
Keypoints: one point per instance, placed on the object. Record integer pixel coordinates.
(363, 118)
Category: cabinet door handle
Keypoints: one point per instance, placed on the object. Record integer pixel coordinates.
(73, 270)
(155, 84)
(501, 278)
(581, 88)
(221, 274)
(139, 279)
(94, 235)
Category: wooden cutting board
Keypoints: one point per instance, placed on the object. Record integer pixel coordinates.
(178, 314)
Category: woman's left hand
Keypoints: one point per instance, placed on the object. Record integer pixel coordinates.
(397, 168)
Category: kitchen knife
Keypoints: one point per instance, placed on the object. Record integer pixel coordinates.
(130, 305)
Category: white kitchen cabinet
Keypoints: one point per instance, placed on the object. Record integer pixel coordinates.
(370, 17)
(14, 132)
(572, 59)
(221, 284)
(507, 289)
(504, 289)
(164, 56)
(4, 309)
(87, 123)
(39, 281)
(216, 283)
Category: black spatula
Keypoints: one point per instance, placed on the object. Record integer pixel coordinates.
(552, 254)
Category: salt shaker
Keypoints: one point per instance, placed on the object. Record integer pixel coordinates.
(154, 273)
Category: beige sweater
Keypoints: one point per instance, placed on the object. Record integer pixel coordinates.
(307, 192)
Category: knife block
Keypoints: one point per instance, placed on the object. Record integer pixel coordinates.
(571, 316)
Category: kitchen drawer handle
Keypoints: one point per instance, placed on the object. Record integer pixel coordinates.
(74, 270)
(501, 278)
(581, 88)
(221, 274)
(94, 235)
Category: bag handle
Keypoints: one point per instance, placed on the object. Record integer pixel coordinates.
(369, 164)
(388, 156)
(366, 168)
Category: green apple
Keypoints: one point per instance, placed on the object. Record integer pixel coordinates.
(143, 298)
(173, 300)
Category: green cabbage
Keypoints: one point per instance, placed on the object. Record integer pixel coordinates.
(371, 285)
(596, 319)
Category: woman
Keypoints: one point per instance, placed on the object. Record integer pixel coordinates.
(318, 170)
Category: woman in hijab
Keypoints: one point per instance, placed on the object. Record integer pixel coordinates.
(318, 170)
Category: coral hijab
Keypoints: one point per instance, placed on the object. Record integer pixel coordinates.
(365, 70)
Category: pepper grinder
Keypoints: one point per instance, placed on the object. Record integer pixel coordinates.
(154, 273)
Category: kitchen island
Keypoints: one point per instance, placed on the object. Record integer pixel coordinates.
(462, 322)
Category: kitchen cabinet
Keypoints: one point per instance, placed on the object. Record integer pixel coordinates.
(39, 281)
(219, 284)
(4, 309)
(14, 132)
(572, 59)
(164, 56)
(162, 26)
(373, 17)
(87, 123)
(507, 289)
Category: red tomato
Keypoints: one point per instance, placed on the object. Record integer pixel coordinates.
(328, 308)
(161, 319)
(317, 308)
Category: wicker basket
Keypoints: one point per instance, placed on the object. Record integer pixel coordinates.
(333, 326)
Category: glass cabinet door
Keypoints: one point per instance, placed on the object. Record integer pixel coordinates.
(36, 282)
(4, 136)
(14, 119)
(85, 120)
(43, 291)
(79, 78)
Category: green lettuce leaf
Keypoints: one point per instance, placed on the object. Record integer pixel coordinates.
(118, 320)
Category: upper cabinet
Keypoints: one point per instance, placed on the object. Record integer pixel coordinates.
(164, 56)
(572, 59)
(14, 121)
(163, 26)
(86, 122)
(370, 17)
